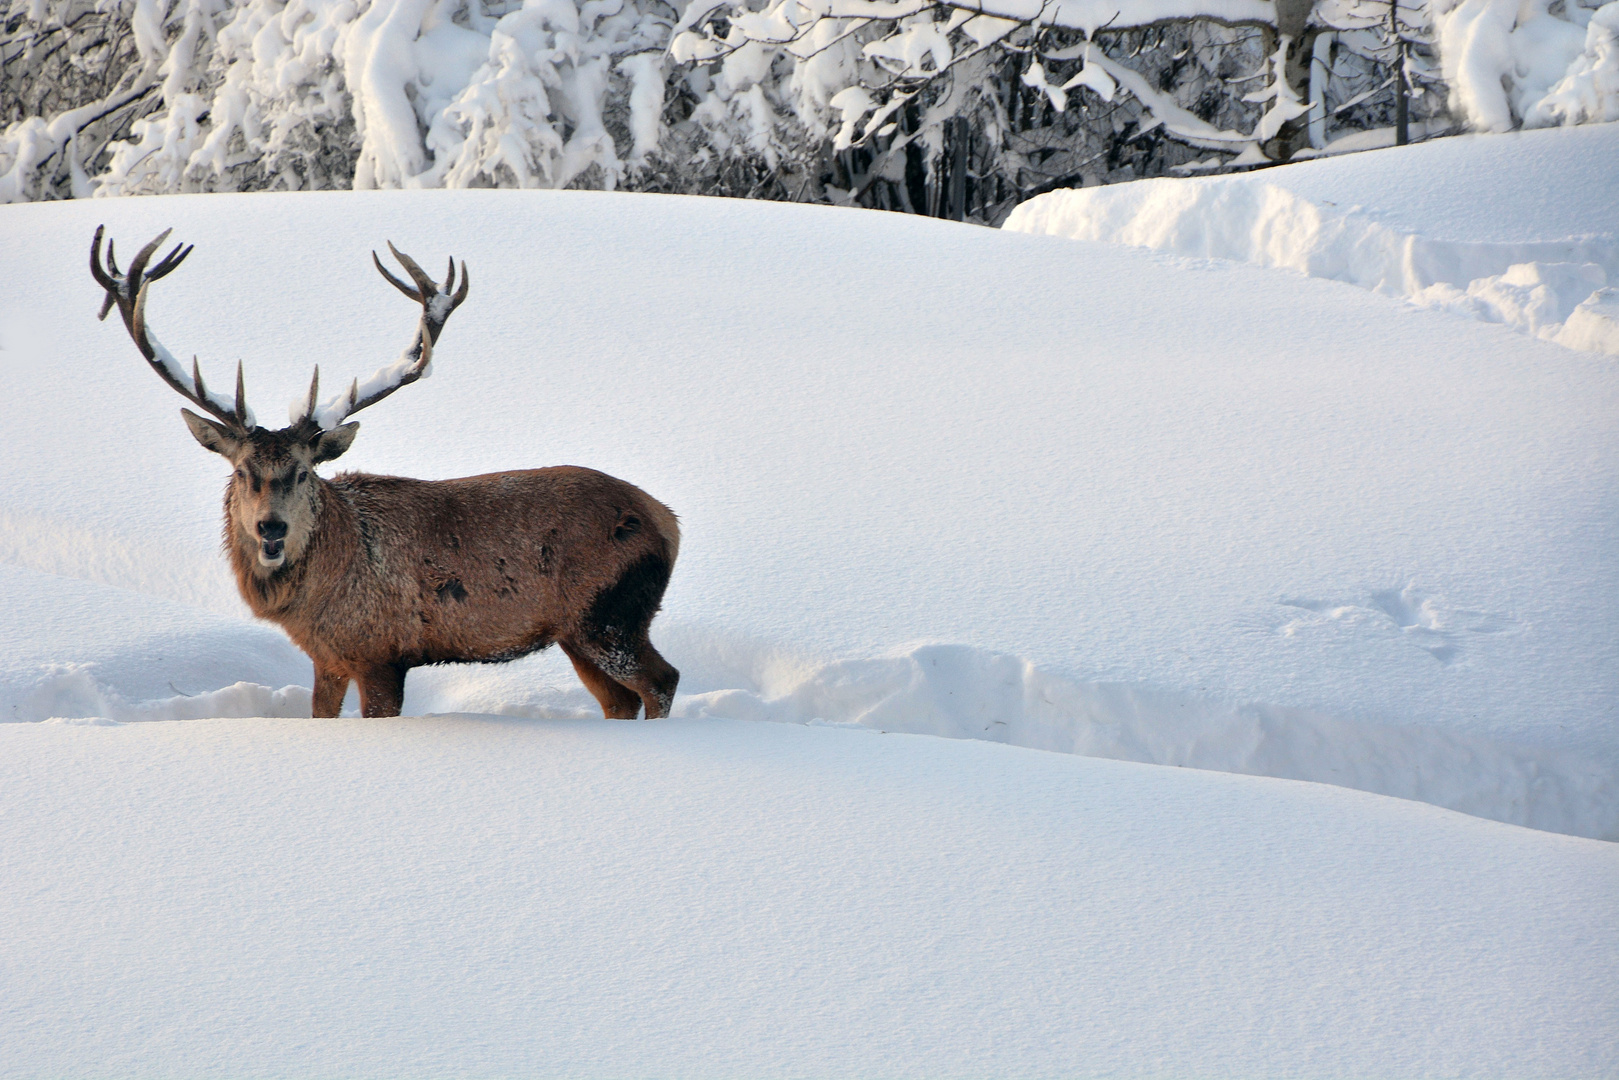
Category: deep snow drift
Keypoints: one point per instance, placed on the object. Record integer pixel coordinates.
(1521, 229)
(473, 896)
(932, 479)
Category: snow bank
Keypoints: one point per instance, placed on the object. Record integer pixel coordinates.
(1594, 325)
(72, 648)
(953, 691)
(482, 897)
(964, 693)
(70, 693)
(1265, 219)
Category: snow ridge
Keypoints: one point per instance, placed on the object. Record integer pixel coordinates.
(1535, 287)
(964, 692)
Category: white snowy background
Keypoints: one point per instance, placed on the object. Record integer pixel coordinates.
(1159, 506)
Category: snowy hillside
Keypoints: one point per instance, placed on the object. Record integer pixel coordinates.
(933, 479)
(1521, 229)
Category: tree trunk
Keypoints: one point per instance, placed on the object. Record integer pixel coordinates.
(956, 132)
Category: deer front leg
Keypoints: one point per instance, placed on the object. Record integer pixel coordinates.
(330, 686)
(382, 689)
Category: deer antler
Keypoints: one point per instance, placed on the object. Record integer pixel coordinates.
(128, 292)
(437, 304)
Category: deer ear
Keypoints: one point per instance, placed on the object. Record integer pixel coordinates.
(212, 436)
(334, 443)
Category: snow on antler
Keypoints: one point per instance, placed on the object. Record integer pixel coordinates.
(128, 293)
(413, 364)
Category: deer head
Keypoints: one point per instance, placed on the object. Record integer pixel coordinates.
(274, 497)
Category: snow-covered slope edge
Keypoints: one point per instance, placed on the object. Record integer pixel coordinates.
(950, 690)
(962, 692)
(1556, 289)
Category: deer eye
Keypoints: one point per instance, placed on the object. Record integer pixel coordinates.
(240, 475)
(302, 476)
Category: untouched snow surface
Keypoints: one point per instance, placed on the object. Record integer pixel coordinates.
(474, 896)
(932, 479)
(1521, 229)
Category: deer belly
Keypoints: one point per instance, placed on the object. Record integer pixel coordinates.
(465, 619)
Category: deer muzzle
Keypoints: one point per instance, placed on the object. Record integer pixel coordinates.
(272, 540)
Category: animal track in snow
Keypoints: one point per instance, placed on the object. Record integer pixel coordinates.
(1425, 619)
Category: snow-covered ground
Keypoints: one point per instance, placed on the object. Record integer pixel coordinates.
(1521, 229)
(477, 896)
(933, 479)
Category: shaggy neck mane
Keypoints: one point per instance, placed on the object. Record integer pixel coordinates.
(281, 589)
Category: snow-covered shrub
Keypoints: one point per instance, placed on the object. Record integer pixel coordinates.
(72, 74)
(1057, 93)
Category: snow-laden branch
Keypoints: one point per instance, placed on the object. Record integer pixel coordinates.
(1091, 15)
(913, 44)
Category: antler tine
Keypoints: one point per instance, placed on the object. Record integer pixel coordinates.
(314, 393)
(137, 269)
(112, 260)
(170, 262)
(395, 282)
(196, 378)
(449, 280)
(102, 277)
(241, 394)
(137, 328)
(425, 355)
(417, 274)
(461, 293)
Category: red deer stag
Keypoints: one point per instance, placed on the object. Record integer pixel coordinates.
(374, 575)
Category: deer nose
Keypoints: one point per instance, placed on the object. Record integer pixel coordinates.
(272, 530)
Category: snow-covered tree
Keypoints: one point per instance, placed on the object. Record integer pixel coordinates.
(1043, 95)
(196, 95)
(930, 106)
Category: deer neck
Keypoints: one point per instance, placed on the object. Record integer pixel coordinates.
(332, 543)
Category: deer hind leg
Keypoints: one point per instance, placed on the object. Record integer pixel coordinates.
(618, 701)
(640, 668)
(613, 634)
(382, 689)
(655, 681)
